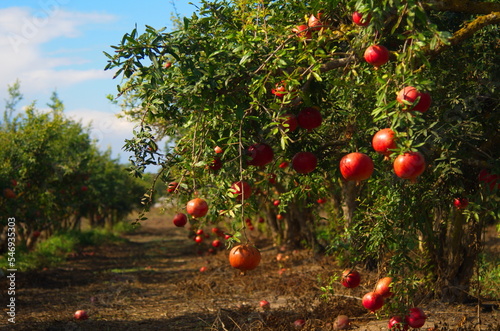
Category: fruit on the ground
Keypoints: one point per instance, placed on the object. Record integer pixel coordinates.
(197, 207)
(9, 193)
(309, 118)
(356, 166)
(416, 318)
(172, 186)
(372, 301)
(180, 219)
(460, 203)
(361, 19)
(302, 31)
(383, 141)
(242, 189)
(397, 323)
(203, 269)
(264, 304)
(289, 122)
(299, 324)
(383, 287)
(376, 55)
(218, 149)
(260, 154)
(409, 95)
(409, 165)
(304, 162)
(315, 22)
(244, 257)
(342, 322)
(81, 315)
(350, 278)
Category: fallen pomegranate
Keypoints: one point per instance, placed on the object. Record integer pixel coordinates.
(383, 287)
(342, 322)
(350, 278)
(81, 315)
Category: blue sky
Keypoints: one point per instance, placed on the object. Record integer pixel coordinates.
(57, 45)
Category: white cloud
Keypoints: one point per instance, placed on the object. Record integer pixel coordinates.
(106, 128)
(23, 31)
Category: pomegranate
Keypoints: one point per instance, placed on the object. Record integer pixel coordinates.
(377, 55)
(383, 141)
(302, 31)
(280, 90)
(350, 278)
(218, 150)
(383, 287)
(260, 154)
(289, 122)
(309, 118)
(198, 239)
(416, 318)
(244, 257)
(197, 207)
(216, 243)
(264, 304)
(9, 193)
(283, 165)
(356, 166)
(342, 322)
(216, 164)
(460, 203)
(172, 186)
(276, 203)
(358, 19)
(180, 219)
(409, 95)
(372, 301)
(299, 324)
(304, 162)
(242, 189)
(315, 22)
(409, 165)
(397, 323)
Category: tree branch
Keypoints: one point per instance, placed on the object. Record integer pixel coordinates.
(466, 32)
(464, 6)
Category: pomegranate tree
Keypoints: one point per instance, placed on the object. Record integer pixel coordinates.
(356, 166)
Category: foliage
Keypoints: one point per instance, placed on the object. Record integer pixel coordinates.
(210, 82)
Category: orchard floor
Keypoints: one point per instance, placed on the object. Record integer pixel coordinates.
(153, 282)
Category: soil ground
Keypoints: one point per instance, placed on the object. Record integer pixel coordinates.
(153, 282)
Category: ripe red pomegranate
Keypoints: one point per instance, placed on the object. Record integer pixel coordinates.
(242, 189)
(409, 95)
(372, 301)
(302, 31)
(383, 287)
(356, 166)
(460, 203)
(383, 141)
(397, 323)
(289, 122)
(377, 55)
(309, 118)
(299, 324)
(80, 315)
(244, 257)
(315, 22)
(350, 278)
(416, 318)
(180, 219)
(280, 90)
(216, 243)
(260, 154)
(172, 186)
(409, 165)
(197, 207)
(304, 162)
(358, 19)
(264, 304)
(218, 150)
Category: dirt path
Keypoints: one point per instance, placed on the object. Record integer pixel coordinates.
(153, 282)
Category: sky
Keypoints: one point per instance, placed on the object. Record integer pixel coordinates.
(57, 45)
